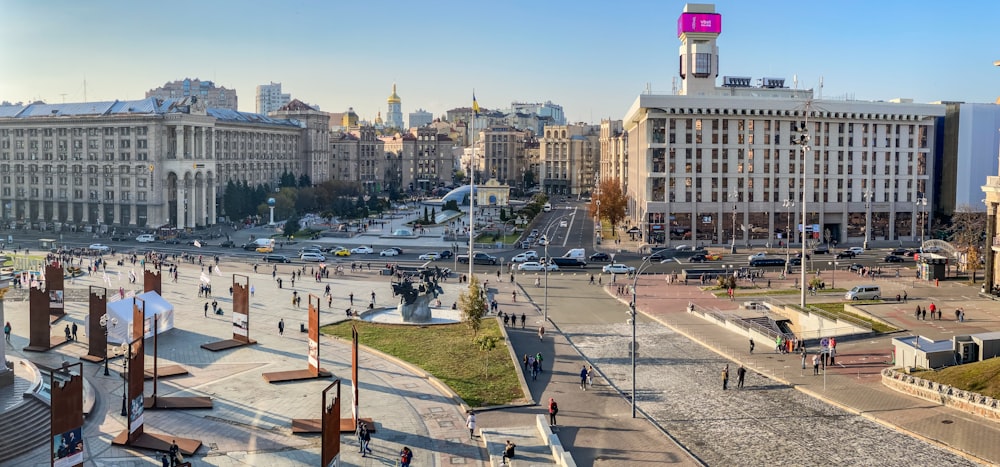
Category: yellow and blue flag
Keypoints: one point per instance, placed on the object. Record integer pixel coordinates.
(475, 105)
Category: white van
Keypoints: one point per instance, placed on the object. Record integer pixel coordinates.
(576, 253)
(547, 207)
(146, 238)
(864, 292)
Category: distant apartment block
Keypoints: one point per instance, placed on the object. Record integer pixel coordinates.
(420, 118)
(206, 91)
(270, 98)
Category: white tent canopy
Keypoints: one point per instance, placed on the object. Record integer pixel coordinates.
(156, 308)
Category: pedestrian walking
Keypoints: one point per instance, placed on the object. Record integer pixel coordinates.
(68, 332)
(815, 364)
(513, 296)
(538, 358)
(751, 346)
(74, 331)
(366, 438)
(803, 358)
(541, 332)
(405, 456)
(553, 411)
(583, 378)
(281, 327)
(206, 309)
(525, 360)
(725, 377)
(6, 331)
(534, 368)
(373, 298)
(523, 319)
(351, 296)
(741, 373)
(470, 423)
(590, 376)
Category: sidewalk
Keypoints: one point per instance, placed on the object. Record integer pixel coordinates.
(854, 384)
(594, 425)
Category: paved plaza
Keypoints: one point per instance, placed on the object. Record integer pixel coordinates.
(784, 415)
(251, 420)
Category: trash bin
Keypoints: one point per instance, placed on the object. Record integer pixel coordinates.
(302, 327)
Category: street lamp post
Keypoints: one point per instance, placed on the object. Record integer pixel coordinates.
(126, 351)
(922, 202)
(633, 317)
(788, 204)
(105, 322)
(833, 277)
(868, 216)
(803, 141)
(545, 266)
(735, 197)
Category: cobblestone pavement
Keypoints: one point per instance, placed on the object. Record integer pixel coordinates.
(765, 423)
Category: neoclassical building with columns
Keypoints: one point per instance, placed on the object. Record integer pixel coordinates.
(142, 163)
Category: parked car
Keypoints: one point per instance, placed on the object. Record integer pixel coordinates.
(536, 266)
(362, 250)
(618, 268)
(312, 257)
(600, 256)
(432, 256)
(893, 259)
(445, 254)
(100, 247)
(856, 250)
(388, 252)
(276, 259)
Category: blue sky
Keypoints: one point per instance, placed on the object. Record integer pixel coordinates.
(593, 58)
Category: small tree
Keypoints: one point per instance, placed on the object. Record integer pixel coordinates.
(425, 215)
(433, 218)
(291, 225)
(473, 306)
(487, 344)
(727, 281)
(610, 201)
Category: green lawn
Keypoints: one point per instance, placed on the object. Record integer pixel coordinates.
(981, 377)
(447, 352)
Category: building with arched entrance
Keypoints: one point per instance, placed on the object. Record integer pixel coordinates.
(143, 163)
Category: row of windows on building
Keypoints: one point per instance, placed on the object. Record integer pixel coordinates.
(44, 194)
(888, 135)
(91, 131)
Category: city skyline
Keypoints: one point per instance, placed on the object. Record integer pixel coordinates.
(587, 57)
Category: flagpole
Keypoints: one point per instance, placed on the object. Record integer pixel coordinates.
(472, 187)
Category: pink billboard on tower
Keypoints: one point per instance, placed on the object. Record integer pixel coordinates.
(699, 22)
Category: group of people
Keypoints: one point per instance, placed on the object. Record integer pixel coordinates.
(533, 364)
(741, 374)
(364, 445)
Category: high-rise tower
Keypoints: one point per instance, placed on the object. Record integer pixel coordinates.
(698, 27)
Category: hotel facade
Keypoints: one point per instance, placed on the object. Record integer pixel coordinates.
(714, 162)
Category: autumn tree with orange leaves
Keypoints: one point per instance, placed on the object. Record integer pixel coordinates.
(612, 202)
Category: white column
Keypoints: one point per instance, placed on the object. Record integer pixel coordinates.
(199, 202)
(179, 131)
(211, 202)
(180, 204)
(204, 143)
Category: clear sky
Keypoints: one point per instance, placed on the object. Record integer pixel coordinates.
(591, 57)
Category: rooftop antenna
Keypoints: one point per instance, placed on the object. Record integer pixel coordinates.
(795, 81)
(673, 85)
(85, 89)
(63, 94)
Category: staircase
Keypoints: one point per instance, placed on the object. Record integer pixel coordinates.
(23, 428)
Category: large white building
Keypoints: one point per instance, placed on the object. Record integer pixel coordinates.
(714, 162)
(149, 162)
(270, 98)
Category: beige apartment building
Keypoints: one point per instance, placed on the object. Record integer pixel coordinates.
(217, 97)
(569, 157)
(614, 163)
(501, 155)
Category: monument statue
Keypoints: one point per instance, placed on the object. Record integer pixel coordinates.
(416, 292)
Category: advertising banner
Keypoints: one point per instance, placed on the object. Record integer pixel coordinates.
(67, 448)
(239, 324)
